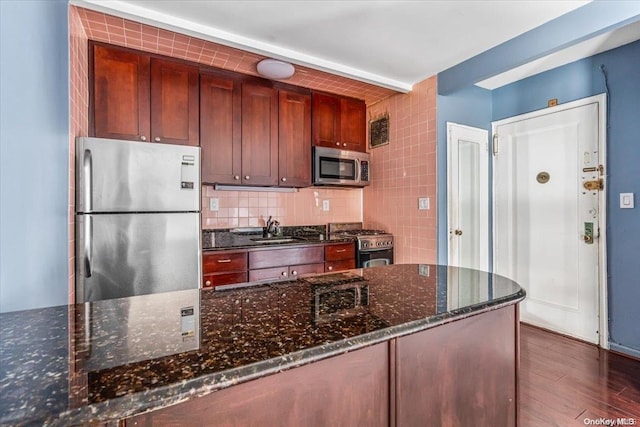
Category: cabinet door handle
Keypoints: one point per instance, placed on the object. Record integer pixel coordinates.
(284, 179)
(143, 138)
(156, 139)
(247, 177)
(338, 143)
(284, 274)
(236, 177)
(341, 250)
(294, 273)
(207, 283)
(330, 268)
(344, 144)
(224, 261)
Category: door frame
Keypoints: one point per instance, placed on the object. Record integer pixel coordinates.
(601, 100)
(484, 192)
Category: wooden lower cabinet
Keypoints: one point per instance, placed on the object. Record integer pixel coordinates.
(224, 268)
(341, 256)
(347, 390)
(462, 373)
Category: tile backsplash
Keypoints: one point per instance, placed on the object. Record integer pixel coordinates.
(306, 207)
(406, 172)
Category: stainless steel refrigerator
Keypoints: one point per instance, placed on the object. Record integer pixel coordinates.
(137, 218)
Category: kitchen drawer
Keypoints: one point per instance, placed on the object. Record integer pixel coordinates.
(269, 273)
(213, 280)
(285, 272)
(286, 257)
(340, 252)
(298, 270)
(221, 262)
(346, 264)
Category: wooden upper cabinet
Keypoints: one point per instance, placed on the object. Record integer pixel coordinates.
(220, 129)
(326, 120)
(339, 122)
(259, 135)
(174, 103)
(353, 116)
(294, 139)
(119, 95)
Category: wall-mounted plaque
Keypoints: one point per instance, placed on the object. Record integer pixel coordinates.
(379, 131)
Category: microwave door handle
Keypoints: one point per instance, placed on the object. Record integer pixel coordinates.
(357, 170)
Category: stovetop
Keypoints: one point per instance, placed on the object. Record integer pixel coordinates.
(367, 239)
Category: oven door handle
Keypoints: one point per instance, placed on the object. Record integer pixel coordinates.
(366, 251)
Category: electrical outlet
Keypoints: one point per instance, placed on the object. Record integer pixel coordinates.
(423, 203)
(214, 204)
(325, 205)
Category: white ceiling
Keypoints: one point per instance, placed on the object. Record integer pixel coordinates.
(391, 43)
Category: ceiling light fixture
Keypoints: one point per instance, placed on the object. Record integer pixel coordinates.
(274, 69)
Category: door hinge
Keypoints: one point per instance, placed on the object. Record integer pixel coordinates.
(495, 144)
(594, 185)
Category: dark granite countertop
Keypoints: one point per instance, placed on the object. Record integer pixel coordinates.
(249, 238)
(108, 360)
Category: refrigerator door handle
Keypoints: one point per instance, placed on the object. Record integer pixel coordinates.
(88, 245)
(87, 164)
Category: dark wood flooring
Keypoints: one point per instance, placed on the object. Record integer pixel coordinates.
(563, 381)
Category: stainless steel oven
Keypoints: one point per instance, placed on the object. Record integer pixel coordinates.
(374, 248)
(374, 258)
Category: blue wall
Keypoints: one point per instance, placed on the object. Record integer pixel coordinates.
(579, 80)
(34, 152)
(471, 107)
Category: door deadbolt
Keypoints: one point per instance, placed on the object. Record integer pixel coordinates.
(543, 177)
(457, 232)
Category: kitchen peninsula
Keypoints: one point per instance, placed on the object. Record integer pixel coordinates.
(380, 346)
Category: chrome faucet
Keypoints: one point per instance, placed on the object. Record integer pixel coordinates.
(272, 228)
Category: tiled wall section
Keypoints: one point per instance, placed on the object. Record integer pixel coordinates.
(79, 125)
(252, 209)
(122, 32)
(403, 171)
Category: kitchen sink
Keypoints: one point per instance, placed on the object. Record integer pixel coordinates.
(277, 239)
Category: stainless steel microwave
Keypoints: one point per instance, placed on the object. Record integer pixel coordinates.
(340, 167)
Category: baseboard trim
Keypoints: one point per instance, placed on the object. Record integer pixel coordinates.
(625, 351)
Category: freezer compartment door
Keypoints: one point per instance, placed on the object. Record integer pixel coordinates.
(123, 255)
(130, 176)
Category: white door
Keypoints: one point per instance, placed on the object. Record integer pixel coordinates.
(468, 196)
(546, 223)
(468, 209)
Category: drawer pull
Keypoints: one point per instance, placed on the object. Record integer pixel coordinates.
(284, 274)
(221, 261)
(341, 250)
(294, 273)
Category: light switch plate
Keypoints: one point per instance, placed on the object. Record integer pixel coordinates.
(325, 205)
(423, 203)
(214, 204)
(626, 201)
